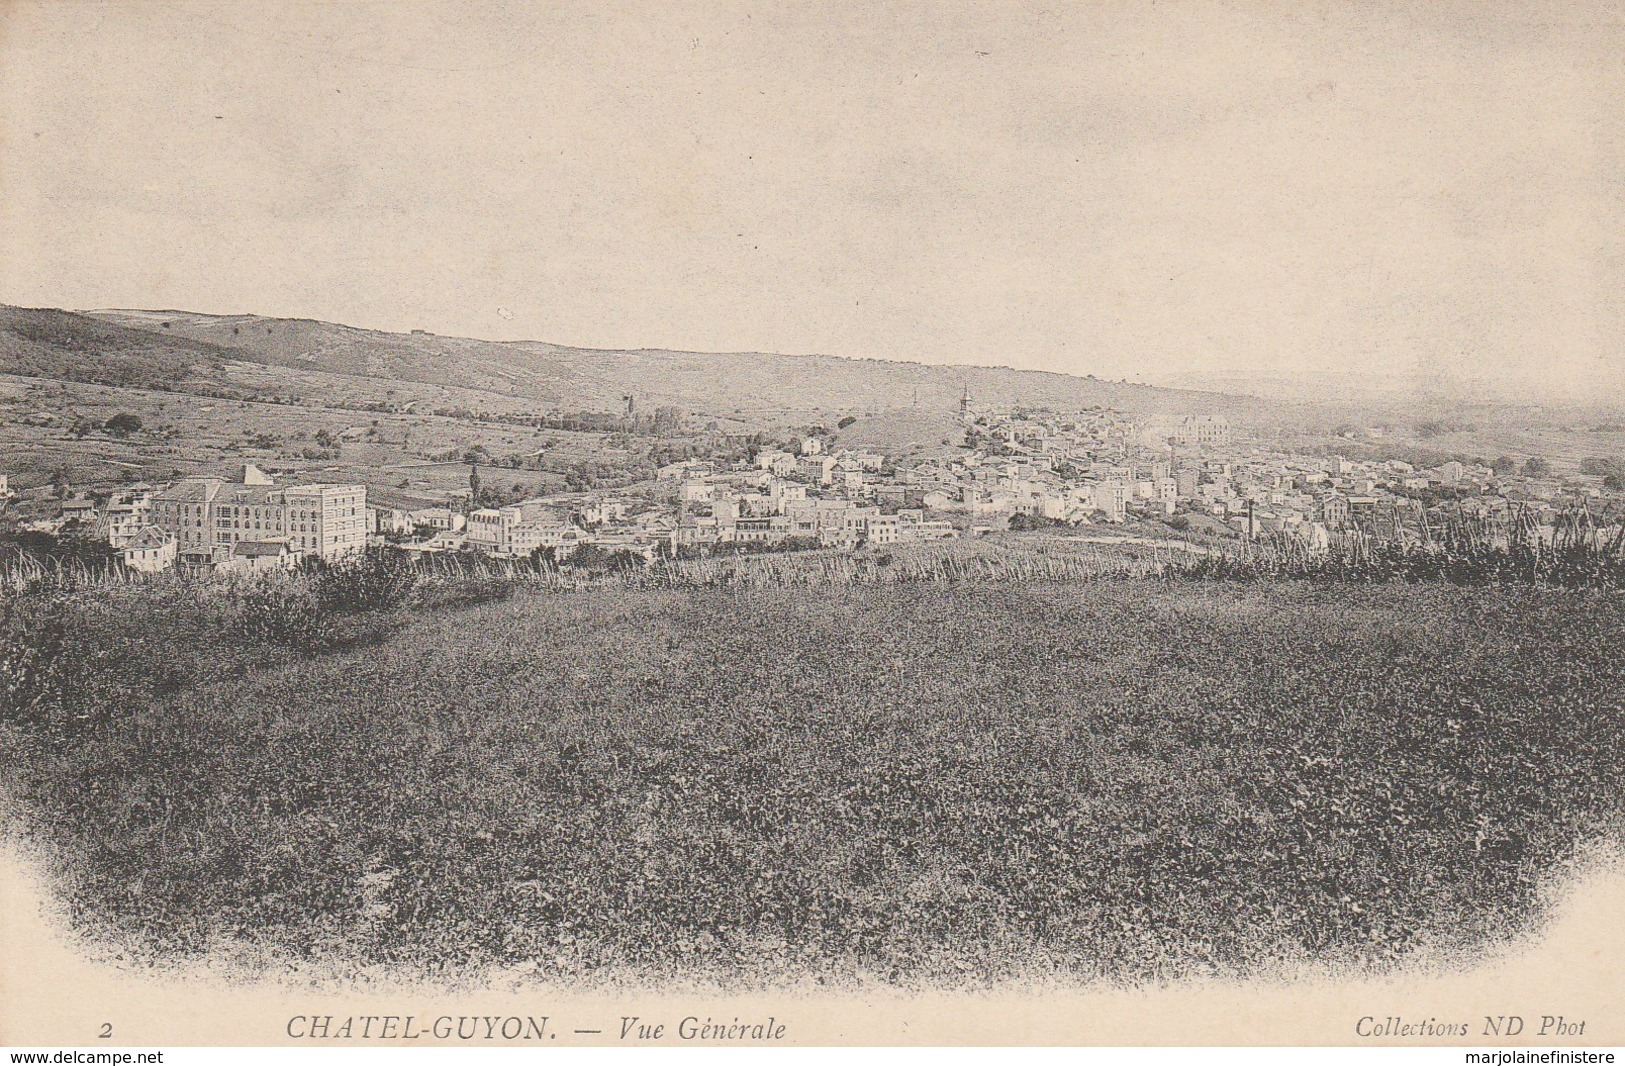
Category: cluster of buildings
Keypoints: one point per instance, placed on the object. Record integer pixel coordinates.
(558, 526)
(1063, 471)
(809, 495)
(1081, 469)
(210, 523)
(1016, 465)
(1016, 470)
(1112, 470)
(1257, 491)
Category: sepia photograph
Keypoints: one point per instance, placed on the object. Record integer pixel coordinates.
(774, 523)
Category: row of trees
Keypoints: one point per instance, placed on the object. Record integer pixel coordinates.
(1534, 466)
(661, 422)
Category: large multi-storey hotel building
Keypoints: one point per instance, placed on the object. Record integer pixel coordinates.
(205, 513)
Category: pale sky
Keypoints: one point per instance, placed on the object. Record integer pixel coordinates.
(1118, 188)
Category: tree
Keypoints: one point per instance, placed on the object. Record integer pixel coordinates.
(1505, 465)
(123, 424)
(324, 438)
(666, 420)
(1535, 466)
(847, 421)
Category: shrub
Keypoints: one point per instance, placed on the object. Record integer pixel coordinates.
(322, 606)
(278, 611)
(123, 424)
(375, 580)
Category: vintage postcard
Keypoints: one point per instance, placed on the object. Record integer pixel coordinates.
(901, 523)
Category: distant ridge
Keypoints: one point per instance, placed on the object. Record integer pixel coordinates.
(166, 347)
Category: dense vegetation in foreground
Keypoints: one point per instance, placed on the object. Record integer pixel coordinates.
(919, 782)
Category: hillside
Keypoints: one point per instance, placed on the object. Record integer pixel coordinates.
(592, 379)
(911, 785)
(49, 343)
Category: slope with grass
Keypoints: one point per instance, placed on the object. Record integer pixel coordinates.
(50, 343)
(918, 784)
(711, 382)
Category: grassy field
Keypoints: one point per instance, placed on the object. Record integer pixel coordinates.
(915, 784)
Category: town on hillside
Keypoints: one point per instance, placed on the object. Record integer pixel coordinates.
(1192, 477)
